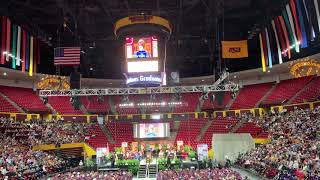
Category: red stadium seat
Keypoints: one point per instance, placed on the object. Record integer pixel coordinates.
(285, 90)
(250, 95)
(310, 93)
(63, 105)
(6, 106)
(26, 98)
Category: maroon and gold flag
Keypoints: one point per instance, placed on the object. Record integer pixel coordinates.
(234, 49)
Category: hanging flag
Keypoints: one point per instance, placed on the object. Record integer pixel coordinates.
(262, 54)
(39, 53)
(307, 13)
(280, 36)
(64, 56)
(35, 55)
(304, 41)
(24, 47)
(3, 38)
(285, 32)
(317, 12)
(268, 48)
(14, 46)
(265, 47)
(18, 59)
(31, 57)
(296, 43)
(277, 42)
(8, 38)
(296, 22)
(234, 49)
(27, 51)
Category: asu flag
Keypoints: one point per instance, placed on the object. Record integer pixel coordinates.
(234, 49)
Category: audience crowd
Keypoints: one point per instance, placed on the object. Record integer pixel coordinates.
(17, 159)
(186, 174)
(44, 132)
(294, 149)
(93, 175)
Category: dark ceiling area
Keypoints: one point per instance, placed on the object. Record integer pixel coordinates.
(89, 23)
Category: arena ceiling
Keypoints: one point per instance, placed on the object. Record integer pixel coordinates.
(189, 49)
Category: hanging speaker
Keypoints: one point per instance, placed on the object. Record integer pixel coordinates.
(75, 80)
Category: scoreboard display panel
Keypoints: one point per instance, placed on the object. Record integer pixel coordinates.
(142, 54)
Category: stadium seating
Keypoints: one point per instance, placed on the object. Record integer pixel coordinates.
(189, 130)
(26, 98)
(250, 95)
(310, 93)
(250, 127)
(94, 105)
(127, 110)
(6, 106)
(218, 126)
(62, 105)
(189, 103)
(121, 132)
(285, 90)
(221, 100)
(97, 137)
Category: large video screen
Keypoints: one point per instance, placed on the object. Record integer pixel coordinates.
(141, 47)
(142, 66)
(151, 130)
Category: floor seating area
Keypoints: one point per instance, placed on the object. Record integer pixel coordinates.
(25, 98)
(63, 105)
(249, 96)
(189, 130)
(285, 90)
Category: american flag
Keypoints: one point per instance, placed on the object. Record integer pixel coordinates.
(66, 56)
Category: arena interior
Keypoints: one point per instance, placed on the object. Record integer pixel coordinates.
(159, 89)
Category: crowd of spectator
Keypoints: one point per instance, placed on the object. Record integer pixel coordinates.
(93, 175)
(294, 149)
(17, 159)
(41, 132)
(20, 161)
(184, 174)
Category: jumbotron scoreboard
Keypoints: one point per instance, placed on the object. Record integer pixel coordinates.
(144, 39)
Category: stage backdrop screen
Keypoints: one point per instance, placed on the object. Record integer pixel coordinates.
(142, 54)
(151, 130)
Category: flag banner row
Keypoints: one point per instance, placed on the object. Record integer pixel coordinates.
(290, 32)
(19, 49)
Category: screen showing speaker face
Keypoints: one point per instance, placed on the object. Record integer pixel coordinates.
(141, 47)
(151, 130)
(142, 54)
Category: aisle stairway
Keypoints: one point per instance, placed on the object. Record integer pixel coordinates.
(142, 173)
(152, 171)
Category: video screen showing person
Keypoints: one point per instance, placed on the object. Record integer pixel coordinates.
(153, 130)
(141, 47)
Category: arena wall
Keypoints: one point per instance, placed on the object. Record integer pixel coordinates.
(231, 145)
